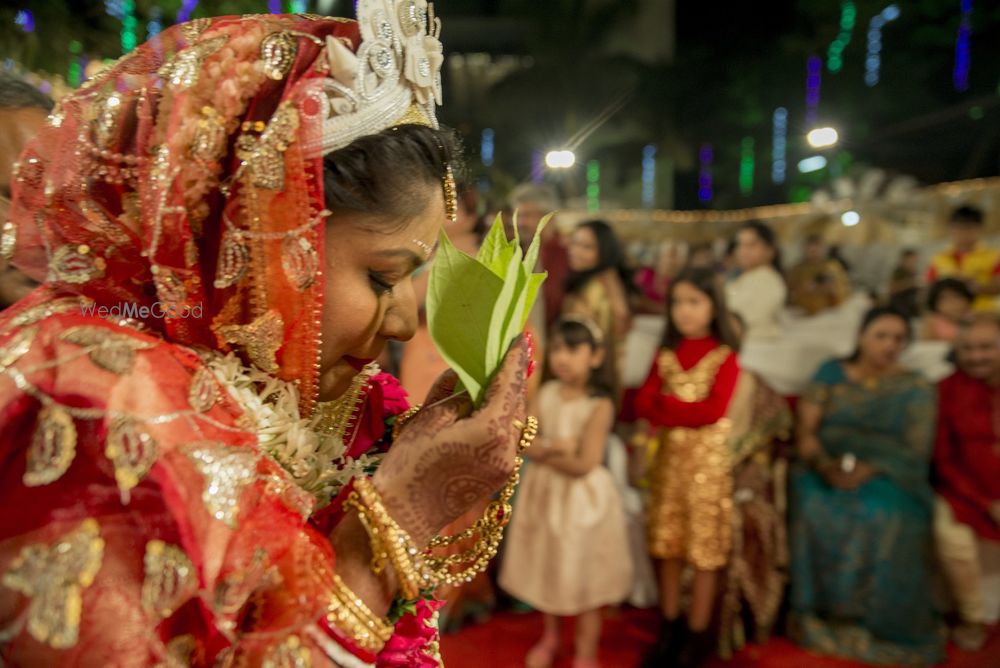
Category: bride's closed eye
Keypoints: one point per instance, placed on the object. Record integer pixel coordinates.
(380, 284)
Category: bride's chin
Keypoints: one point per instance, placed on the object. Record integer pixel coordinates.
(336, 380)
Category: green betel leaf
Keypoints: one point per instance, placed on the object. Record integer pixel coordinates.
(531, 257)
(476, 307)
(461, 294)
(503, 311)
(531, 281)
(530, 294)
(496, 250)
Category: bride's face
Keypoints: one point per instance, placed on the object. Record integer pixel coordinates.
(369, 296)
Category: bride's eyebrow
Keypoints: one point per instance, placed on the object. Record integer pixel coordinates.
(404, 254)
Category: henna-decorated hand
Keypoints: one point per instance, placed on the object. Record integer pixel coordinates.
(444, 462)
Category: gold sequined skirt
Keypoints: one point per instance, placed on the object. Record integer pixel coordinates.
(690, 512)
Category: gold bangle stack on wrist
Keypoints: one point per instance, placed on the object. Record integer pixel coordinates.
(419, 570)
(349, 613)
(489, 527)
(389, 541)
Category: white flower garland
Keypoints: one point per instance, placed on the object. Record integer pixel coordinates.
(316, 462)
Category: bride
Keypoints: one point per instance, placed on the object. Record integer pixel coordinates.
(209, 481)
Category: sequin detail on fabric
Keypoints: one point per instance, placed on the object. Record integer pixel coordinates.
(54, 578)
(227, 472)
(169, 581)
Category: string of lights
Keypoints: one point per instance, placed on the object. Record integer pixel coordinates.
(486, 147)
(705, 157)
(593, 186)
(963, 59)
(25, 19)
(125, 12)
(779, 145)
(835, 54)
(155, 25)
(186, 10)
(873, 60)
(804, 210)
(814, 77)
(649, 176)
(747, 165)
(537, 167)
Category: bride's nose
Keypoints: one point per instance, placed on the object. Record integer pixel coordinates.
(400, 320)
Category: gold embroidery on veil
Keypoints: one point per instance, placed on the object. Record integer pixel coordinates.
(54, 577)
(169, 581)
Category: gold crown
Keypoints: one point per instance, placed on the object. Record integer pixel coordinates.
(392, 79)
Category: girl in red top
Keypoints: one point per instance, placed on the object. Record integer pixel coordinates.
(687, 395)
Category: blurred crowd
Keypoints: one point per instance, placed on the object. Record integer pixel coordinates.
(741, 444)
(752, 446)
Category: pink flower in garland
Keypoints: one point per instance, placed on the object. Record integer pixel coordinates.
(415, 643)
(386, 399)
(395, 400)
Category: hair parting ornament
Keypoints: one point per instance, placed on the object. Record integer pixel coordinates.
(427, 250)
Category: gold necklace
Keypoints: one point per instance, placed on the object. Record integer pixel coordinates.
(336, 417)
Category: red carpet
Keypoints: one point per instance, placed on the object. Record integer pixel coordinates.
(503, 641)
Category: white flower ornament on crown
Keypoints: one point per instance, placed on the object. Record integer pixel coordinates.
(394, 78)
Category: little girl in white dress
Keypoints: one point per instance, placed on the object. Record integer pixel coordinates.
(567, 551)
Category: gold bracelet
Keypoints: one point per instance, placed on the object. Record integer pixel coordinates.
(402, 419)
(349, 614)
(389, 541)
(489, 527)
(417, 569)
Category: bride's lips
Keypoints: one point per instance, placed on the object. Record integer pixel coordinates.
(357, 363)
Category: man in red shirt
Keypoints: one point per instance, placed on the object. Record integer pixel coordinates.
(967, 473)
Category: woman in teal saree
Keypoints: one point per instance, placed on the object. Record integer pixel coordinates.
(861, 508)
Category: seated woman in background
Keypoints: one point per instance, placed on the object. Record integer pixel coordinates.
(860, 531)
(948, 302)
(817, 283)
(759, 293)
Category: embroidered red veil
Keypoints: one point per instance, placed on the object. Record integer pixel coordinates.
(174, 206)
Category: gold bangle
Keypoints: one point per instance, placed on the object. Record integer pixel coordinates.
(389, 541)
(418, 570)
(349, 613)
(402, 419)
(489, 527)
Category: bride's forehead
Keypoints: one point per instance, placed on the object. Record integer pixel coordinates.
(374, 233)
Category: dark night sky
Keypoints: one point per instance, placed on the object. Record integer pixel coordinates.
(735, 63)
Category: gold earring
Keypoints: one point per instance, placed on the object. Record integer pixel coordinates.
(450, 194)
